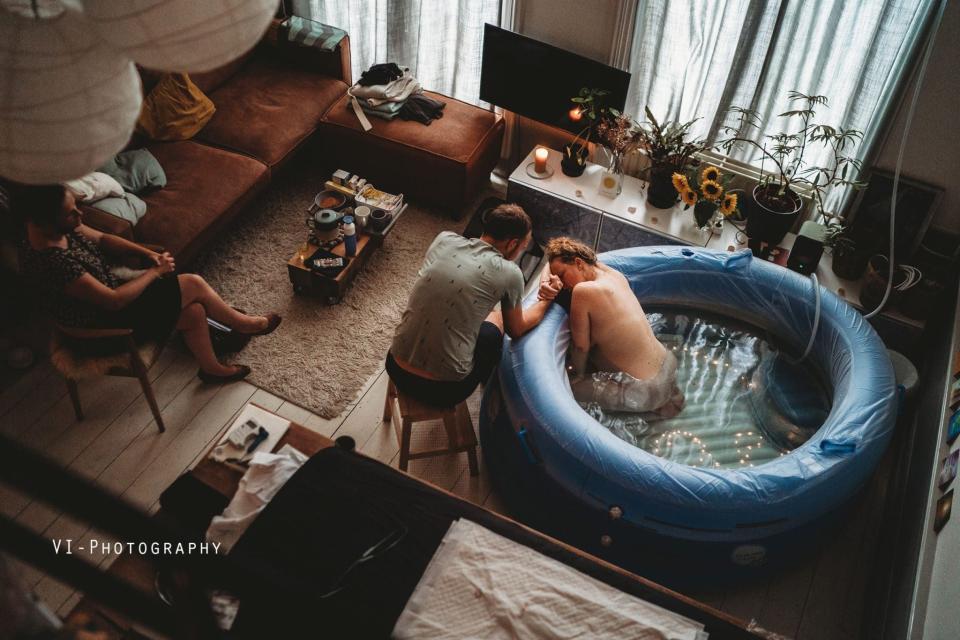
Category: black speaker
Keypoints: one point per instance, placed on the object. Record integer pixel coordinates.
(807, 249)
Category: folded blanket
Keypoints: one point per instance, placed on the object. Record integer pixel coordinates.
(396, 91)
(387, 107)
(312, 34)
(386, 115)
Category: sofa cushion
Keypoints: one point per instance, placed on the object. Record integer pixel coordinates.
(443, 163)
(175, 109)
(210, 81)
(136, 170)
(106, 222)
(205, 188)
(267, 110)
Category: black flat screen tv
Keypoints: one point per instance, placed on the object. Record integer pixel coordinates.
(537, 80)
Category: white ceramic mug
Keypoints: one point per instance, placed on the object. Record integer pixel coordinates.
(362, 215)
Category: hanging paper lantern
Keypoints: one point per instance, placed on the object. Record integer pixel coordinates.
(181, 35)
(68, 102)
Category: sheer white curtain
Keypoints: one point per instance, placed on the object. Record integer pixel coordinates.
(697, 58)
(440, 40)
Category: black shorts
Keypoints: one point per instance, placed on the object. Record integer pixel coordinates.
(442, 393)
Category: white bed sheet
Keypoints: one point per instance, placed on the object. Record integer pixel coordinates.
(482, 585)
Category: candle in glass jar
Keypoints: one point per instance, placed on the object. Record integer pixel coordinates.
(540, 160)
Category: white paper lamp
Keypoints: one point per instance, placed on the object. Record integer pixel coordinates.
(68, 102)
(181, 35)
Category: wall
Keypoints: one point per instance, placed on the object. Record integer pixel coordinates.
(932, 152)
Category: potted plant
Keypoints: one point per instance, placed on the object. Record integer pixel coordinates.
(669, 152)
(850, 254)
(775, 204)
(589, 108)
(706, 191)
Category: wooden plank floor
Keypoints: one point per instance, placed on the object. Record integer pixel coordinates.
(119, 447)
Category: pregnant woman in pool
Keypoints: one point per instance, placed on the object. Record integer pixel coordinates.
(630, 369)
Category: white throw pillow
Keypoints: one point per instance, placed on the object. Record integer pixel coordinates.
(95, 186)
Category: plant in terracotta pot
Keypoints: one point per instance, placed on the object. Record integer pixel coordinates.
(775, 201)
(588, 109)
(706, 191)
(669, 151)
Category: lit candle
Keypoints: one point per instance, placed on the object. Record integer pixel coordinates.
(576, 114)
(540, 160)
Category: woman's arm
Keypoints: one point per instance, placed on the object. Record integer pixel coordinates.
(117, 246)
(89, 289)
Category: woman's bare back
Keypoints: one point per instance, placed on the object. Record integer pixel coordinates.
(620, 336)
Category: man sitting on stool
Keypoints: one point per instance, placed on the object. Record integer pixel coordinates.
(448, 340)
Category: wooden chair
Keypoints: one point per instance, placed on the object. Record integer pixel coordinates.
(403, 411)
(132, 362)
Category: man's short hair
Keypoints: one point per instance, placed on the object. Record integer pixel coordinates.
(507, 222)
(40, 204)
(566, 249)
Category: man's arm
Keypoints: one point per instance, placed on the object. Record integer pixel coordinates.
(517, 321)
(580, 329)
(117, 246)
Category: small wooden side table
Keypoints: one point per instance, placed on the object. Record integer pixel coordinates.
(330, 289)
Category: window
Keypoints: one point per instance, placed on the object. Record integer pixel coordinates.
(440, 40)
(697, 58)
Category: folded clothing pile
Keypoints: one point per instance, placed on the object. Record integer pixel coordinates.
(480, 584)
(114, 188)
(389, 91)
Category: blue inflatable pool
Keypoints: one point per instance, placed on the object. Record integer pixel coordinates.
(738, 507)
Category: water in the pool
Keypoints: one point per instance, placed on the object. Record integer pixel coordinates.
(745, 403)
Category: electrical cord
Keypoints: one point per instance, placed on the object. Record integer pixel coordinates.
(903, 143)
(816, 316)
(816, 323)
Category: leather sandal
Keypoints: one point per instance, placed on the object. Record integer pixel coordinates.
(210, 378)
(273, 321)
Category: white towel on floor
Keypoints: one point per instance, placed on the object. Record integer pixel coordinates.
(482, 585)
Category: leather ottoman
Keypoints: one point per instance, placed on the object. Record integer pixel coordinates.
(444, 163)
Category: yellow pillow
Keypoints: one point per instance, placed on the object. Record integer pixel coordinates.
(174, 110)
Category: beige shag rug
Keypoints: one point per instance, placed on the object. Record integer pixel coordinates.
(321, 355)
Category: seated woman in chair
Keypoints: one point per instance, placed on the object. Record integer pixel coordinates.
(66, 263)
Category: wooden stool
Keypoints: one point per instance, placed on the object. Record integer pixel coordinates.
(456, 422)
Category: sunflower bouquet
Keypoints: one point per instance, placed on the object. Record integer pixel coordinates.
(706, 191)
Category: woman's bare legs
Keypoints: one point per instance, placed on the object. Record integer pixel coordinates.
(192, 323)
(194, 289)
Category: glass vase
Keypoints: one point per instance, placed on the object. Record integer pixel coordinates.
(611, 180)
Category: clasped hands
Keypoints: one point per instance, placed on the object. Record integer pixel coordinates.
(550, 286)
(164, 263)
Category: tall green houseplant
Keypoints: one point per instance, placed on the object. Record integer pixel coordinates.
(783, 169)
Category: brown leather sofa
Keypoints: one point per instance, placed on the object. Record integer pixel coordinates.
(444, 163)
(269, 103)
